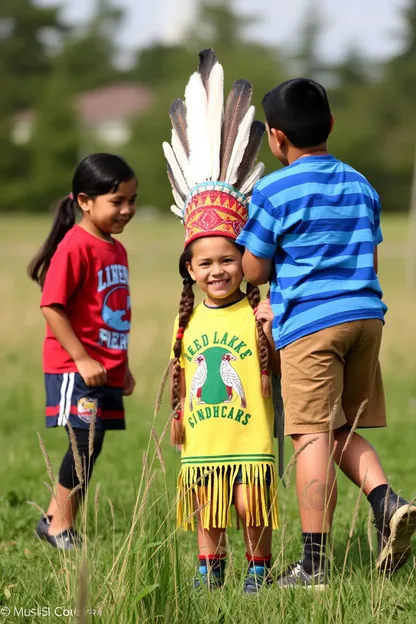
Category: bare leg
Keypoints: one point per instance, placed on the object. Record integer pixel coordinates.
(211, 547)
(359, 461)
(258, 540)
(62, 510)
(210, 542)
(53, 507)
(315, 482)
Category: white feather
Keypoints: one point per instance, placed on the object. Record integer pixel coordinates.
(240, 145)
(254, 177)
(178, 199)
(180, 154)
(215, 117)
(177, 211)
(197, 130)
(176, 170)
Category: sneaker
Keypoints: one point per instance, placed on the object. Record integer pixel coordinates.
(296, 576)
(42, 526)
(395, 528)
(257, 578)
(67, 540)
(211, 579)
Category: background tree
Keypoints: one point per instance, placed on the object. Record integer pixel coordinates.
(306, 60)
(25, 56)
(55, 147)
(88, 55)
(219, 26)
(25, 63)
(44, 63)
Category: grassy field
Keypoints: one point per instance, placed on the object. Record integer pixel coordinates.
(136, 567)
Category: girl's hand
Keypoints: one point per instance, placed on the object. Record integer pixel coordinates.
(92, 372)
(129, 383)
(264, 314)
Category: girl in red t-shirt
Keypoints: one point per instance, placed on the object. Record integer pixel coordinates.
(83, 273)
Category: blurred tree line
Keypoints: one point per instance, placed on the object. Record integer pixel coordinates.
(45, 63)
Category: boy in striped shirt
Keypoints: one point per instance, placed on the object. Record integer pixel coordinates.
(313, 232)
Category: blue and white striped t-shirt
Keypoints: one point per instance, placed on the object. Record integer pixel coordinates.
(319, 220)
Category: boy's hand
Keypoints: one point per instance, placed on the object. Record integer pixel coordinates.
(92, 372)
(264, 314)
(129, 383)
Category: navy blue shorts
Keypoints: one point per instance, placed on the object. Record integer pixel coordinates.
(69, 399)
(239, 477)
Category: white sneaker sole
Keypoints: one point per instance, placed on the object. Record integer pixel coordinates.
(397, 550)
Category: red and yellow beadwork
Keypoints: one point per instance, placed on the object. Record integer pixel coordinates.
(214, 209)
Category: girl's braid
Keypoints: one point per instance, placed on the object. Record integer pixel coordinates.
(186, 307)
(253, 296)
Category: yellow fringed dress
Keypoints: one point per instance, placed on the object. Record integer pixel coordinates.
(228, 423)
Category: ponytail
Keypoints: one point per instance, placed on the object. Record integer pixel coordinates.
(253, 296)
(63, 221)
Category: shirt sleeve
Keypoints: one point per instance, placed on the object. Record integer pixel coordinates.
(64, 276)
(378, 235)
(262, 230)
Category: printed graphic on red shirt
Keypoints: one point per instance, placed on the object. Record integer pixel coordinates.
(116, 309)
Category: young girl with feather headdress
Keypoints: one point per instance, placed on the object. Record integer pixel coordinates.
(223, 348)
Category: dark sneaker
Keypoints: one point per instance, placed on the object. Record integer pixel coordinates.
(296, 576)
(42, 526)
(67, 540)
(212, 578)
(395, 528)
(257, 578)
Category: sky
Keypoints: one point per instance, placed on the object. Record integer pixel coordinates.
(372, 26)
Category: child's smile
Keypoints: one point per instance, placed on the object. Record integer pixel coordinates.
(220, 288)
(219, 283)
(216, 268)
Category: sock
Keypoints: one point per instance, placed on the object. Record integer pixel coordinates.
(214, 563)
(377, 498)
(314, 545)
(259, 565)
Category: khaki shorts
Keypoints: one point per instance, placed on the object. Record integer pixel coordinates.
(329, 377)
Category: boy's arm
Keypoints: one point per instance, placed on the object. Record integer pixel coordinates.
(260, 238)
(256, 270)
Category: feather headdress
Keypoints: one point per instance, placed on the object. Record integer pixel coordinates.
(212, 156)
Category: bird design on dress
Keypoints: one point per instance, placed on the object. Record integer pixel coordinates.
(231, 379)
(198, 381)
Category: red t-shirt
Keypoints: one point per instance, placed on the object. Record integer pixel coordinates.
(89, 278)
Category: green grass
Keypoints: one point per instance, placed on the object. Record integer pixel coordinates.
(139, 567)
